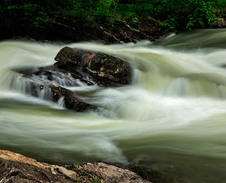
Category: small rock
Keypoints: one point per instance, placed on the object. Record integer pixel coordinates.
(68, 173)
(111, 174)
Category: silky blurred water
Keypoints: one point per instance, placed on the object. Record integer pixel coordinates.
(171, 118)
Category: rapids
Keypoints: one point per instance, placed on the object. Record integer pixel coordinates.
(171, 118)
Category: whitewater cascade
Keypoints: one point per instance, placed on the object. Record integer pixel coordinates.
(172, 117)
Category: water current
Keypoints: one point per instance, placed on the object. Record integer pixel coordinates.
(171, 118)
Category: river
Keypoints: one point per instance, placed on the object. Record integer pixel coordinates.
(171, 118)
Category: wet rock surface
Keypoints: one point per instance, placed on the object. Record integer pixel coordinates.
(108, 173)
(104, 69)
(75, 68)
(49, 83)
(17, 168)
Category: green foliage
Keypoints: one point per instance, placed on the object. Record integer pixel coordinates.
(96, 181)
(32, 13)
(201, 14)
(170, 23)
(184, 14)
(105, 7)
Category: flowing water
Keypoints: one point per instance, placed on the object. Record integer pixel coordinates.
(171, 118)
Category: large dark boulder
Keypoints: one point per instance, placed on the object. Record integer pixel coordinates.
(105, 69)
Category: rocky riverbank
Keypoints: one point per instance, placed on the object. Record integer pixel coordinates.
(63, 28)
(17, 168)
